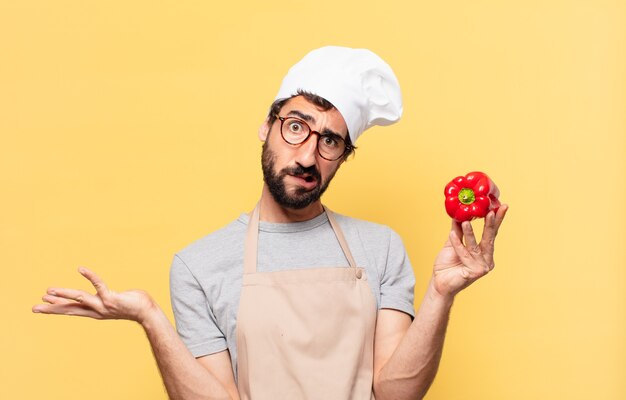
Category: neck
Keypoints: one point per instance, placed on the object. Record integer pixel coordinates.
(271, 211)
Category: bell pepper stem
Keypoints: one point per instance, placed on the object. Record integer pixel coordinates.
(466, 196)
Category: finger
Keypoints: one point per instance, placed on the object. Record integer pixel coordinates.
(456, 228)
(475, 266)
(489, 234)
(459, 248)
(74, 309)
(492, 224)
(95, 280)
(78, 296)
(470, 238)
(504, 208)
(493, 220)
(48, 298)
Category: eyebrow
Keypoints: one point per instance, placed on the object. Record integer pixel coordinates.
(309, 118)
(302, 115)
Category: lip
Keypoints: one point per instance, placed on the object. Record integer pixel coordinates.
(301, 180)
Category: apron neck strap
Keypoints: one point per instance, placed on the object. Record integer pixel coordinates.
(342, 240)
(252, 240)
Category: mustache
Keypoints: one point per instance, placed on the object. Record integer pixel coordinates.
(300, 170)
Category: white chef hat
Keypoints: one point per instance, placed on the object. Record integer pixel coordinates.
(357, 82)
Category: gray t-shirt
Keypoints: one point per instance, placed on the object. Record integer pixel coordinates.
(205, 277)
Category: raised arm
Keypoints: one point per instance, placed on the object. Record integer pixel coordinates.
(407, 354)
(185, 377)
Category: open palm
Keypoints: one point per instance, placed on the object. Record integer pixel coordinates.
(104, 304)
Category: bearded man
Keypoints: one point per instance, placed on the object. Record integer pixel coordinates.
(293, 301)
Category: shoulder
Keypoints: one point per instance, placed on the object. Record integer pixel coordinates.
(366, 230)
(220, 245)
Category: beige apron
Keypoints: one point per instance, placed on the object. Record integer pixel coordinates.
(306, 333)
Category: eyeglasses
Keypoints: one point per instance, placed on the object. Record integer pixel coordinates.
(330, 146)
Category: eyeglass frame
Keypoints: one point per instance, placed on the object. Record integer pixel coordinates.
(348, 147)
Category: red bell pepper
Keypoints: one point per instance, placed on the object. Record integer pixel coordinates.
(471, 196)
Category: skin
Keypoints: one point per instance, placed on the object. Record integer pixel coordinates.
(406, 353)
(304, 155)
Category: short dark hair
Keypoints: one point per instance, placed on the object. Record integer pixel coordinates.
(320, 102)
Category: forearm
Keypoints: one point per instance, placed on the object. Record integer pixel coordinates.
(411, 369)
(183, 376)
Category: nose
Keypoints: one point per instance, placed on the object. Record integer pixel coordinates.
(306, 155)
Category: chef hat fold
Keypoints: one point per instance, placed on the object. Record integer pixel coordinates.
(357, 82)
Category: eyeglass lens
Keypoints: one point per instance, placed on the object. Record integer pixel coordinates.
(296, 131)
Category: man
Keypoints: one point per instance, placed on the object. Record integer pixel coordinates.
(293, 301)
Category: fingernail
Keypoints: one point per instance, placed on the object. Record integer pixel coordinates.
(52, 292)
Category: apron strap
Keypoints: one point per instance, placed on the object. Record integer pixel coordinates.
(342, 240)
(251, 245)
(252, 241)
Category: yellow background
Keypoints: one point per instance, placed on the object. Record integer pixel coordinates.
(128, 130)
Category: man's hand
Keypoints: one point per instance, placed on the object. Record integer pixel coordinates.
(132, 305)
(458, 265)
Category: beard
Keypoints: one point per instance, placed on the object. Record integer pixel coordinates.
(275, 182)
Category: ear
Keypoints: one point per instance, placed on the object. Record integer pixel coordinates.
(264, 129)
